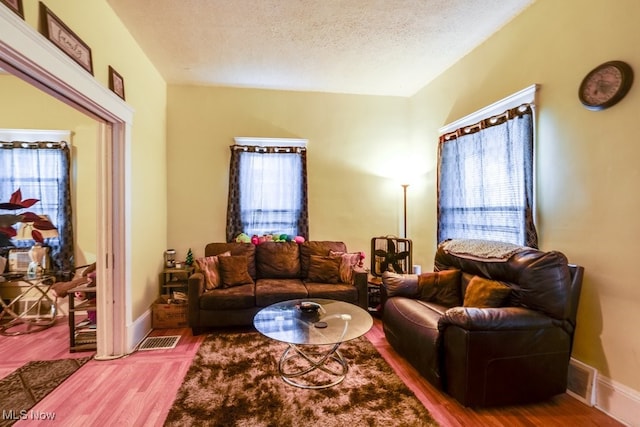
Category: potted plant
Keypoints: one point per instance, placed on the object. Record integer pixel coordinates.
(17, 206)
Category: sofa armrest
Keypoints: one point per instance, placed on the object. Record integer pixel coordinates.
(495, 319)
(196, 289)
(361, 282)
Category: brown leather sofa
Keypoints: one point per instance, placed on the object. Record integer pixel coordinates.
(513, 350)
(279, 271)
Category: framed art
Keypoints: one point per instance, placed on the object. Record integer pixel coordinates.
(66, 40)
(116, 82)
(15, 5)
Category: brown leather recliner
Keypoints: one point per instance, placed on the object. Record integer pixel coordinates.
(516, 353)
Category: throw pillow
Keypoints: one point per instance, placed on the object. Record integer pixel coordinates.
(349, 261)
(209, 268)
(485, 293)
(400, 285)
(234, 271)
(441, 287)
(324, 269)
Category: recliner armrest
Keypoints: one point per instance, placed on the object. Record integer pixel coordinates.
(495, 319)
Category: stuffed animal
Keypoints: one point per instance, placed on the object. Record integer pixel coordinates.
(243, 238)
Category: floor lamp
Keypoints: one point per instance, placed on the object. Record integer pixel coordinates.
(404, 191)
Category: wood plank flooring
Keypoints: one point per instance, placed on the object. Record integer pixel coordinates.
(138, 390)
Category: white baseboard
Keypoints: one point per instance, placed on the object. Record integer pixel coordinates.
(614, 399)
(138, 330)
(618, 401)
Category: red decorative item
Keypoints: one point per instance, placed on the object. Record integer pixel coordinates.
(16, 203)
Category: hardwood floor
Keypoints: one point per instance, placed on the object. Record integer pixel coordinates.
(138, 390)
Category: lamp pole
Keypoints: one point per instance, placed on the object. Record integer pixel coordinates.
(404, 191)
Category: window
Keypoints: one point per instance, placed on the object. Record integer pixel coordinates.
(41, 171)
(485, 177)
(267, 188)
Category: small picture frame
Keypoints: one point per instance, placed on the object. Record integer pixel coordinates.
(14, 5)
(66, 40)
(116, 82)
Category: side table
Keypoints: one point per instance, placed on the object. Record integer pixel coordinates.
(175, 279)
(373, 291)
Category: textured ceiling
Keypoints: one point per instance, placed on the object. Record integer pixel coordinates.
(377, 47)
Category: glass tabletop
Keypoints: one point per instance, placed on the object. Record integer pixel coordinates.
(334, 322)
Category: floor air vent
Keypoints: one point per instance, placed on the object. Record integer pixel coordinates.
(582, 382)
(159, 343)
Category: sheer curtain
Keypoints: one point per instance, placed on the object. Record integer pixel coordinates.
(485, 180)
(42, 171)
(267, 191)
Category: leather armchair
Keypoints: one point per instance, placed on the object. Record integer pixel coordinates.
(516, 353)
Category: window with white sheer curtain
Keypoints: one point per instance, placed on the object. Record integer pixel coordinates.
(268, 188)
(485, 179)
(41, 170)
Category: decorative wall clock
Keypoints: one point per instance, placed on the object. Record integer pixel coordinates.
(605, 85)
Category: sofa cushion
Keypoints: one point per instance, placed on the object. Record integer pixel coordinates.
(237, 297)
(271, 291)
(441, 287)
(278, 260)
(309, 248)
(324, 269)
(400, 285)
(338, 291)
(236, 248)
(349, 262)
(485, 293)
(210, 269)
(233, 271)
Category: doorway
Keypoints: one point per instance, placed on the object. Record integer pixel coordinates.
(29, 57)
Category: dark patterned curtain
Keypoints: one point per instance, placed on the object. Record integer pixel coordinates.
(42, 170)
(267, 191)
(485, 180)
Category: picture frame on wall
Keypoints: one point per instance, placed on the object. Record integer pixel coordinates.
(116, 82)
(64, 38)
(15, 6)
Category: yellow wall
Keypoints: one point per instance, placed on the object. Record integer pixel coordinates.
(111, 44)
(356, 145)
(587, 162)
(25, 107)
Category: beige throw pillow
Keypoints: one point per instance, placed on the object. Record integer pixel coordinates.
(347, 264)
(210, 269)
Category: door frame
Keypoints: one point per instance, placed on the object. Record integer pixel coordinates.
(28, 55)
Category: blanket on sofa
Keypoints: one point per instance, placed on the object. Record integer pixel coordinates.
(482, 250)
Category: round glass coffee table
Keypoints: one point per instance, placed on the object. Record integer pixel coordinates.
(313, 329)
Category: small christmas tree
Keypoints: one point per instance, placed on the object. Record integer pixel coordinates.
(189, 260)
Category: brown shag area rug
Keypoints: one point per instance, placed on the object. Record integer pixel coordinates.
(234, 381)
(29, 384)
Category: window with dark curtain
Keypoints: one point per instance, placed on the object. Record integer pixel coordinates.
(485, 180)
(267, 191)
(41, 170)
